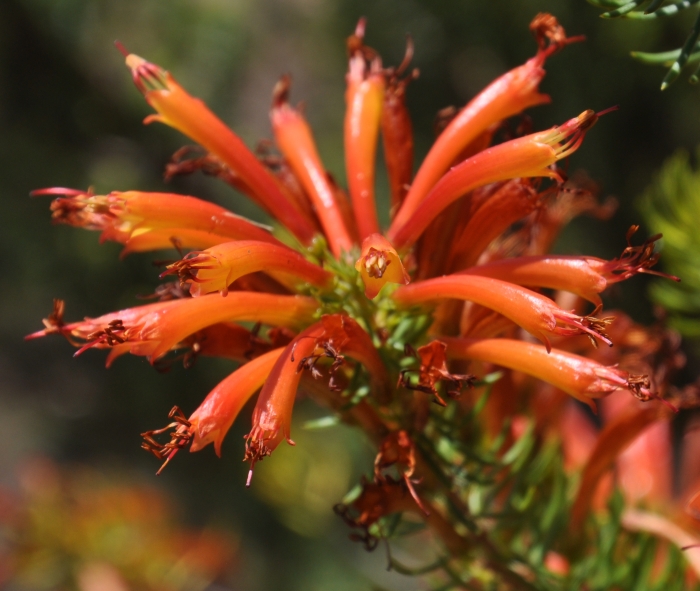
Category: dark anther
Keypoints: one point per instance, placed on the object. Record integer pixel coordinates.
(180, 436)
(112, 334)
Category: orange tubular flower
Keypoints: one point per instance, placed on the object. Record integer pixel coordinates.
(569, 273)
(328, 338)
(190, 115)
(508, 95)
(528, 156)
(585, 276)
(663, 527)
(272, 417)
(132, 215)
(612, 440)
(379, 264)
(578, 376)
(364, 97)
(535, 313)
(214, 417)
(180, 238)
(216, 268)
(344, 333)
(510, 203)
(154, 329)
(295, 141)
(397, 132)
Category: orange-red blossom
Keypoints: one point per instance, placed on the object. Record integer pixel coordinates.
(578, 376)
(193, 118)
(331, 337)
(533, 312)
(295, 140)
(364, 97)
(151, 221)
(214, 269)
(528, 156)
(582, 275)
(154, 329)
(508, 95)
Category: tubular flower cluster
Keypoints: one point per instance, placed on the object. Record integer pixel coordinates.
(333, 326)
(508, 95)
(529, 156)
(189, 115)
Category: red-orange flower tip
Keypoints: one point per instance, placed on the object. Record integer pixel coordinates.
(379, 264)
(566, 138)
(146, 76)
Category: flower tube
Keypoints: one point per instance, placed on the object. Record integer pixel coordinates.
(122, 216)
(364, 97)
(533, 312)
(333, 336)
(585, 276)
(578, 376)
(190, 116)
(508, 95)
(528, 156)
(152, 330)
(397, 133)
(508, 204)
(295, 141)
(614, 438)
(272, 416)
(664, 527)
(179, 238)
(568, 273)
(218, 267)
(214, 417)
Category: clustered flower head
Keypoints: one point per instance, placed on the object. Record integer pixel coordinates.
(375, 323)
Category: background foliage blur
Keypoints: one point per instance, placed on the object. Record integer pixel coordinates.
(70, 116)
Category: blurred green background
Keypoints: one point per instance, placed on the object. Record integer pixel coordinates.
(70, 116)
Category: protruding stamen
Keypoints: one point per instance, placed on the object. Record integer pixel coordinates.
(379, 264)
(180, 437)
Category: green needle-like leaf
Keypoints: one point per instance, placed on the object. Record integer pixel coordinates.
(623, 10)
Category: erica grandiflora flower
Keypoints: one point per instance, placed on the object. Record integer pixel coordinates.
(578, 376)
(353, 315)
